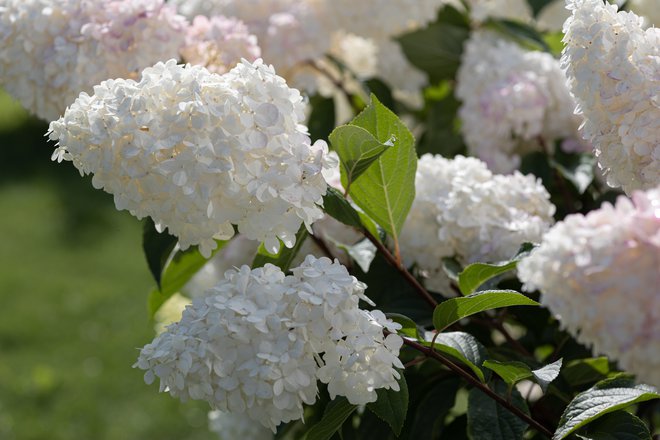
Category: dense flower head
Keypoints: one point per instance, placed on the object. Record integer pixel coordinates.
(288, 31)
(382, 19)
(512, 98)
(219, 43)
(50, 51)
(199, 152)
(599, 275)
(613, 64)
(257, 342)
(462, 210)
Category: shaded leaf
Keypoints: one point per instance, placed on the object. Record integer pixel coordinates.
(322, 118)
(179, 270)
(437, 49)
(582, 371)
(488, 420)
(284, 257)
(158, 247)
(341, 209)
(522, 33)
(576, 168)
(408, 326)
(392, 406)
(455, 309)
(433, 408)
(619, 425)
(606, 396)
(334, 416)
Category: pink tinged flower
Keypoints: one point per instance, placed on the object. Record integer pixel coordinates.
(219, 43)
(599, 275)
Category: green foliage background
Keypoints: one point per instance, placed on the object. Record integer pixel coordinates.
(72, 276)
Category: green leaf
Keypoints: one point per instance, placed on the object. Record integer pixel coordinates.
(455, 309)
(576, 168)
(363, 253)
(477, 274)
(284, 257)
(158, 247)
(392, 406)
(521, 33)
(464, 348)
(582, 371)
(386, 189)
(538, 5)
(334, 416)
(437, 49)
(382, 92)
(511, 372)
(488, 420)
(357, 150)
(619, 425)
(451, 267)
(322, 118)
(547, 374)
(336, 206)
(179, 270)
(408, 326)
(432, 410)
(606, 396)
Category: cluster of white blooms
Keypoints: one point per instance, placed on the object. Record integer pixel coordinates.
(599, 275)
(462, 210)
(613, 65)
(219, 43)
(382, 19)
(289, 31)
(237, 427)
(511, 98)
(50, 50)
(199, 152)
(482, 10)
(257, 342)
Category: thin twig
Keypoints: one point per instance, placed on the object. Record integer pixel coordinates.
(478, 384)
(391, 259)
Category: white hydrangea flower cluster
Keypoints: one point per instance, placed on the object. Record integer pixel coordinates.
(613, 65)
(199, 152)
(382, 19)
(482, 10)
(289, 31)
(219, 43)
(511, 98)
(257, 342)
(237, 427)
(599, 275)
(462, 210)
(50, 50)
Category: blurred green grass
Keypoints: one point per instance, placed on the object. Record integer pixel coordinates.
(73, 285)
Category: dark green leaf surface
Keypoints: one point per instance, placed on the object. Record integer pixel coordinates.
(158, 247)
(180, 269)
(583, 371)
(392, 406)
(511, 372)
(455, 309)
(433, 408)
(477, 274)
(341, 209)
(605, 397)
(487, 420)
(464, 348)
(334, 416)
(619, 425)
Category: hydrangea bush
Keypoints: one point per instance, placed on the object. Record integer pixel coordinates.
(431, 219)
